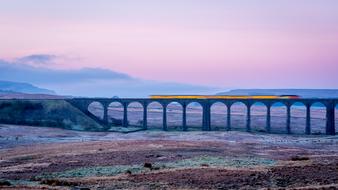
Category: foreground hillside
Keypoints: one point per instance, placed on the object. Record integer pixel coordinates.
(48, 113)
(164, 160)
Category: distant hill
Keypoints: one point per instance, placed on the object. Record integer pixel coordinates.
(16, 95)
(306, 93)
(7, 87)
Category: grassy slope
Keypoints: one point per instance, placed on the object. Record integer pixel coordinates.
(49, 113)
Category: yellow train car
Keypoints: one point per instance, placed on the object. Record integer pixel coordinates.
(223, 97)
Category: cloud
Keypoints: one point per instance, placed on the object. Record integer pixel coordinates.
(92, 82)
(37, 59)
(27, 73)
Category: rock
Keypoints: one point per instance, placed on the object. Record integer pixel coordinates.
(148, 165)
(140, 122)
(5, 183)
(150, 156)
(299, 158)
(56, 182)
(117, 122)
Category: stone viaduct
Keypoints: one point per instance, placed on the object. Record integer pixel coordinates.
(330, 104)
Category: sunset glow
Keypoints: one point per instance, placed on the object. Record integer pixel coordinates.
(228, 44)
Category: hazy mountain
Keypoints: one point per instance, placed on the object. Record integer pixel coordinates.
(306, 93)
(7, 87)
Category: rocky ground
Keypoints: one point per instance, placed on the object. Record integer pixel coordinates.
(47, 158)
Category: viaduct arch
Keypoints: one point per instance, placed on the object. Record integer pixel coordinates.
(330, 105)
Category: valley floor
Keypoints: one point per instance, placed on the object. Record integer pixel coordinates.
(40, 158)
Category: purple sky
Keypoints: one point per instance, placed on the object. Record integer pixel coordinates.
(239, 44)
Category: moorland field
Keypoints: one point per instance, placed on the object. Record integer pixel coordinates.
(40, 157)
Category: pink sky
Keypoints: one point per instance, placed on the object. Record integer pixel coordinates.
(240, 44)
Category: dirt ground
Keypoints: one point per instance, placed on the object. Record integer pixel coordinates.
(47, 158)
